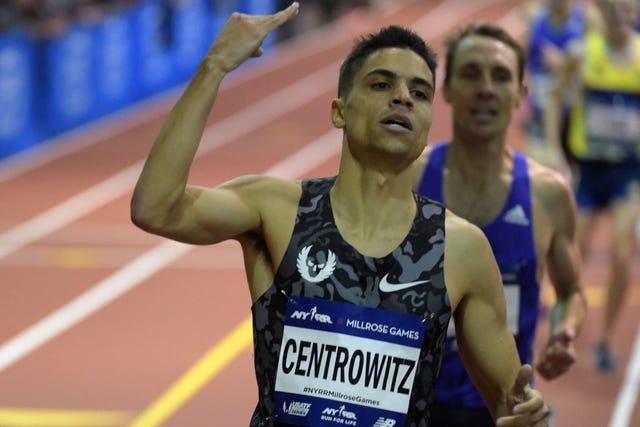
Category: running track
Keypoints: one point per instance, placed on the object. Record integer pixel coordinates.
(102, 324)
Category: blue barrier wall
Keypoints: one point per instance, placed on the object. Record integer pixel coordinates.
(52, 85)
(17, 95)
(192, 29)
(153, 45)
(66, 94)
(115, 57)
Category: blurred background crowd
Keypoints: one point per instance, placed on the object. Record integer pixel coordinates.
(49, 17)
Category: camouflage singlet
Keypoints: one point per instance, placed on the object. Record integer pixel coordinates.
(320, 267)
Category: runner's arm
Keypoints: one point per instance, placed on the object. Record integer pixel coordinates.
(563, 263)
(486, 344)
(566, 71)
(163, 202)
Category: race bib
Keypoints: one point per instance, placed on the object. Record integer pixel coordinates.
(512, 299)
(342, 364)
(612, 123)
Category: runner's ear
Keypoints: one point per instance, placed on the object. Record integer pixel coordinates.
(337, 113)
(523, 91)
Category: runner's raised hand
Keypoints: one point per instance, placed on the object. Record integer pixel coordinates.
(242, 35)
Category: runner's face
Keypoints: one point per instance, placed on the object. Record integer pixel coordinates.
(388, 110)
(560, 8)
(483, 88)
(618, 14)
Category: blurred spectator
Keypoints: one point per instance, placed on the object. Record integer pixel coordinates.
(552, 25)
(604, 139)
(8, 15)
(46, 18)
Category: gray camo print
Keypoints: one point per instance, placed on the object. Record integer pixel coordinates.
(355, 280)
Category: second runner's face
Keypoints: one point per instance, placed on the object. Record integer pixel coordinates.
(388, 110)
(618, 15)
(483, 88)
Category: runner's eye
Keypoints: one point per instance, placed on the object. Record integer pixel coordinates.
(419, 94)
(380, 85)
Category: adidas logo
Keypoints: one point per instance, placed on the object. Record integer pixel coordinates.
(516, 215)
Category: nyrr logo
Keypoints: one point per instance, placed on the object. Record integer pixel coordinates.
(384, 422)
(311, 315)
(315, 269)
(339, 415)
(298, 409)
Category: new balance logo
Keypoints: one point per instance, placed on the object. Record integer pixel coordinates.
(385, 422)
(516, 215)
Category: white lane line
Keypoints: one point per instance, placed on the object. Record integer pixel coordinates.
(68, 211)
(134, 273)
(90, 301)
(85, 136)
(438, 22)
(298, 164)
(224, 132)
(628, 395)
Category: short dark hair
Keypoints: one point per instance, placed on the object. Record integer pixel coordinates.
(485, 30)
(388, 37)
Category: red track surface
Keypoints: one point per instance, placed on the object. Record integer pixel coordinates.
(122, 355)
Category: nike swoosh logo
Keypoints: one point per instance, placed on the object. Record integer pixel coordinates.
(385, 286)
